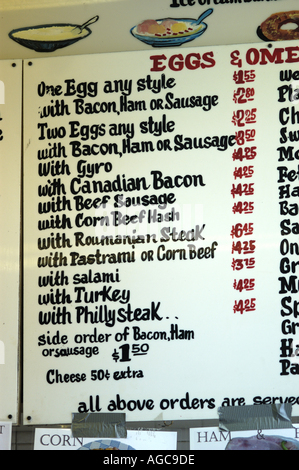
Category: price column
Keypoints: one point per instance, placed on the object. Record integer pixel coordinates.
(243, 243)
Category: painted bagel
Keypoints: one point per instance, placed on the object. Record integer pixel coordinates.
(272, 27)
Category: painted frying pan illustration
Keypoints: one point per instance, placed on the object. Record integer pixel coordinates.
(169, 31)
(49, 38)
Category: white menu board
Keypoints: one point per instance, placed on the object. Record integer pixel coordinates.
(161, 232)
(269, 439)
(61, 439)
(5, 435)
(10, 213)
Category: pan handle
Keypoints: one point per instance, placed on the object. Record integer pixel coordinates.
(91, 21)
(204, 15)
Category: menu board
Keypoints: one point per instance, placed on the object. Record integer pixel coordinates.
(161, 232)
(62, 439)
(10, 210)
